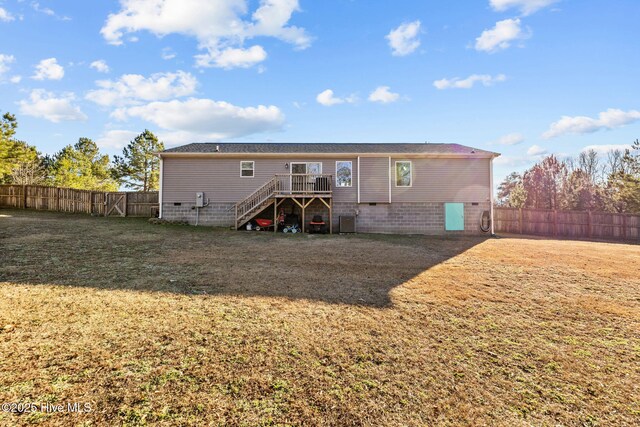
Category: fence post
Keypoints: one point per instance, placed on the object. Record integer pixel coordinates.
(24, 197)
(555, 223)
(588, 223)
(624, 226)
(126, 202)
(520, 220)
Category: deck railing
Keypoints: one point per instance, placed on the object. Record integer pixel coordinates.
(256, 198)
(282, 185)
(304, 184)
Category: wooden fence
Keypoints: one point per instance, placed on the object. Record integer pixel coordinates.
(600, 225)
(141, 204)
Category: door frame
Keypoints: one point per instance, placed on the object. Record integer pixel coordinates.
(306, 170)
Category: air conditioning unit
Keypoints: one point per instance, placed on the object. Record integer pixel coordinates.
(347, 224)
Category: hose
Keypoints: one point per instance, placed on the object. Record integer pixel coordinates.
(488, 228)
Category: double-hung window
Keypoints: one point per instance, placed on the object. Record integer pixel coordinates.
(247, 169)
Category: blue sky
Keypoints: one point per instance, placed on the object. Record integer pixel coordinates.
(520, 77)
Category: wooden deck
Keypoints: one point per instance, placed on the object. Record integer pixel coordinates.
(302, 189)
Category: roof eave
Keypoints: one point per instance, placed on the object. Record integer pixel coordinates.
(483, 155)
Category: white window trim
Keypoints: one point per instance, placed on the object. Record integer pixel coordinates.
(307, 167)
(395, 173)
(351, 167)
(319, 163)
(253, 168)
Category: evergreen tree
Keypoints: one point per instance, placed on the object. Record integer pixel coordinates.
(507, 187)
(12, 151)
(82, 166)
(139, 167)
(624, 185)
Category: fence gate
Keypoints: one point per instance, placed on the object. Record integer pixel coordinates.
(116, 204)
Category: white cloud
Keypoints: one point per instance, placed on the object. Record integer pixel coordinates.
(232, 58)
(206, 118)
(511, 139)
(604, 149)
(383, 95)
(5, 61)
(46, 105)
(404, 39)
(536, 150)
(513, 161)
(610, 119)
(221, 27)
(100, 66)
(167, 53)
(5, 16)
(328, 99)
(15, 79)
(116, 138)
(134, 88)
(469, 82)
(48, 11)
(48, 69)
(526, 7)
(501, 36)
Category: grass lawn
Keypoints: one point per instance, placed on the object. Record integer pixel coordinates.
(174, 325)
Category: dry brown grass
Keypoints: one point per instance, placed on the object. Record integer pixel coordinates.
(169, 325)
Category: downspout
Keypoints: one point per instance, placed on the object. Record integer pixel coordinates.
(493, 231)
(358, 179)
(161, 189)
(389, 173)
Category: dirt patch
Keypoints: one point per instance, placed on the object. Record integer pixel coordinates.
(173, 325)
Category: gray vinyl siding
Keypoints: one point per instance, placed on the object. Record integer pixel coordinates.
(444, 180)
(220, 179)
(374, 180)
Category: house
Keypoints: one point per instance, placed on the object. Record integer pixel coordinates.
(388, 188)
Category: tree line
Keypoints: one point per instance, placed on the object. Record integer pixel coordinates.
(80, 165)
(587, 182)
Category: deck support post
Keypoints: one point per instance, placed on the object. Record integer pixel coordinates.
(331, 215)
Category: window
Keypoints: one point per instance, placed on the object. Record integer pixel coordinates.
(403, 174)
(310, 168)
(314, 168)
(344, 173)
(247, 169)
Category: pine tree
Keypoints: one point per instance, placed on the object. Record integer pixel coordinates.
(82, 166)
(139, 167)
(12, 151)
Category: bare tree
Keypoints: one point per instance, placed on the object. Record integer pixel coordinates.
(588, 162)
(28, 173)
(614, 163)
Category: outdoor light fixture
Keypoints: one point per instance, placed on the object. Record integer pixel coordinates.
(286, 165)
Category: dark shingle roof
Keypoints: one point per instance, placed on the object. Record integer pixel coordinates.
(324, 148)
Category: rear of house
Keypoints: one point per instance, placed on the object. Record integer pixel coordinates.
(385, 188)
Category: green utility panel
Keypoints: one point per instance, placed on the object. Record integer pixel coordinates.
(454, 216)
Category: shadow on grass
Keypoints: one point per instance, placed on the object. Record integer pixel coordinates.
(121, 253)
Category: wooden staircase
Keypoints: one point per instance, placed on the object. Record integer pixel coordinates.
(303, 189)
(255, 203)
